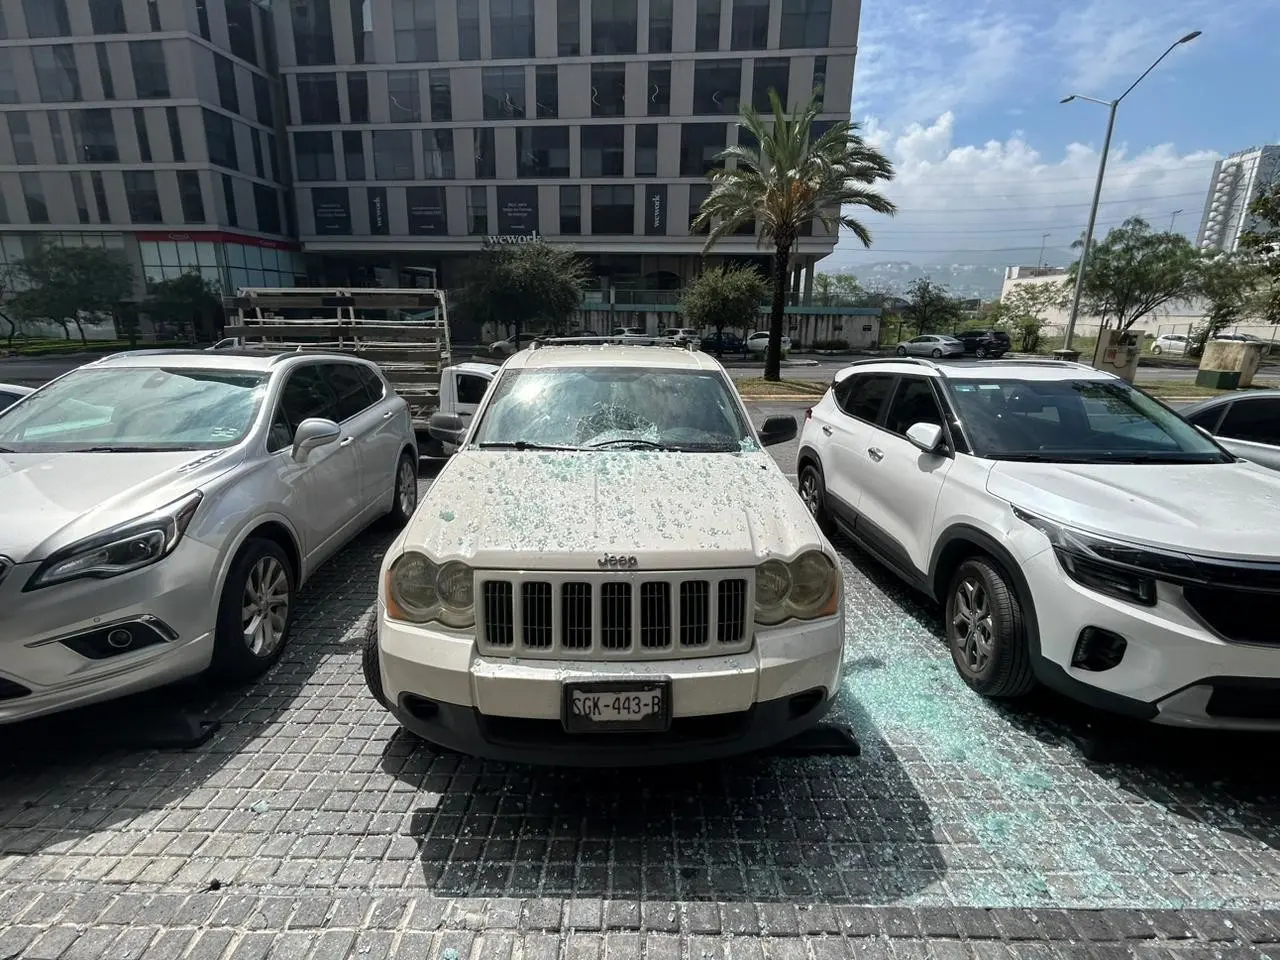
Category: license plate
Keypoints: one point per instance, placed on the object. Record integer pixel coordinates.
(638, 707)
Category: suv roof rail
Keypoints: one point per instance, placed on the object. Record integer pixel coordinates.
(1038, 362)
(917, 361)
(627, 341)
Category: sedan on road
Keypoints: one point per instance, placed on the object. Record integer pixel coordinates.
(758, 342)
(11, 393)
(1247, 424)
(162, 509)
(931, 345)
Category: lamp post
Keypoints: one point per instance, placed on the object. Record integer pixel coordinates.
(1066, 352)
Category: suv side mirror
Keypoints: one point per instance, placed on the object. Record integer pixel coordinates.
(926, 436)
(312, 433)
(446, 427)
(778, 430)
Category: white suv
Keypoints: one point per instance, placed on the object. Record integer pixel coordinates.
(610, 571)
(1079, 533)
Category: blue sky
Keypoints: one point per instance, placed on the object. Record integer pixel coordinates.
(963, 96)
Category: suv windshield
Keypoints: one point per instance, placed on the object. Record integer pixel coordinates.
(135, 409)
(614, 407)
(1075, 421)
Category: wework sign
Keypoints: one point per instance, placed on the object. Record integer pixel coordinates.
(507, 239)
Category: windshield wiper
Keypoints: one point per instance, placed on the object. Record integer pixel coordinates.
(632, 442)
(124, 449)
(522, 445)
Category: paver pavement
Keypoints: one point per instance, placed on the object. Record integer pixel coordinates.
(309, 826)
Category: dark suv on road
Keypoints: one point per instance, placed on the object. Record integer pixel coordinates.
(985, 343)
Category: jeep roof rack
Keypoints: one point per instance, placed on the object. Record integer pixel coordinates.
(626, 341)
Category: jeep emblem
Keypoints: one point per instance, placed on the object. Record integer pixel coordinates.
(618, 561)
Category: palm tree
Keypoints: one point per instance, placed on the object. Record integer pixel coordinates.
(789, 179)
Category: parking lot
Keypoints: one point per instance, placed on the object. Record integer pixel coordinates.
(308, 825)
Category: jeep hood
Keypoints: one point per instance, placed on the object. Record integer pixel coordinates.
(566, 511)
(1229, 510)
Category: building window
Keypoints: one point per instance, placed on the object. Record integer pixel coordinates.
(266, 204)
(503, 90)
(547, 91)
(770, 74)
(153, 15)
(33, 193)
(698, 194)
(104, 72)
(312, 33)
(750, 27)
(150, 77)
(100, 196)
(175, 134)
(140, 129)
(273, 155)
(220, 133)
(477, 211)
(229, 201)
(706, 33)
(56, 73)
(647, 150)
(485, 154)
(542, 151)
(191, 195)
(46, 18)
(258, 168)
(314, 153)
(393, 155)
(318, 98)
(659, 89)
(60, 144)
(228, 96)
(202, 18)
(717, 86)
(269, 59)
(468, 29)
(612, 210)
(602, 151)
(353, 154)
(77, 194)
(511, 29)
(107, 16)
(361, 29)
(8, 83)
(660, 26)
(24, 147)
(95, 136)
(403, 104)
(426, 209)
(517, 211)
(437, 155)
(571, 210)
(331, 208)
(568, 28)
(142, 196)
(820, 79)
(240, 28)
(700, 144)
(806, 23)
(613, 26)
(262, 100)
(608, 90)
(414, 23)
(358, 97)
(441, 96)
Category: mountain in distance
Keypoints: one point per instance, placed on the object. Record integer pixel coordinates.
(965, 273)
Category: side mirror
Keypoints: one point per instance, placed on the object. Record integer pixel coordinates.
(312, 433)
(446, 427)
(778, 430)
(926, 436)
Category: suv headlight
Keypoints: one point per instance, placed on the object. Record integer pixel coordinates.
(421, 591)
(805, 589)
(1120, 570)
(122, 549)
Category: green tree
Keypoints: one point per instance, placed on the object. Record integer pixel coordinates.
(1133, 271)
(64, 284)
(1228, 282)
(838, 287)
(524, 284)
(722, 297)
(189, 302)
(11, 318)
(789, 179)
(1022, 311)
(930, 307)
(1262, 241)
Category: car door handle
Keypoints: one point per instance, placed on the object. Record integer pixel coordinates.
(388, 415)
(874, 454)
(346, 441)
(827, 431)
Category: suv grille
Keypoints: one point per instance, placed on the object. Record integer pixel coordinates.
(1244, 616)
(612, 616)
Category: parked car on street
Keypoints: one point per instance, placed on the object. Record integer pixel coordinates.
(610, 571)
(931, 345)
(1247, 424)
(984, 344)
(227, 343)
(686, 336)
(1171, 344)
(162, 509)
(462, 388)
(1078, 533)
(11, 393)
(758, 342)
(723, 342)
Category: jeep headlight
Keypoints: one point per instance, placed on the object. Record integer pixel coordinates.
(421, 591)
(805, 589)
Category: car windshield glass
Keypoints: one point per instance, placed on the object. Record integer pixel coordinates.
(136, 409)
(609, 407)
(1076, 421)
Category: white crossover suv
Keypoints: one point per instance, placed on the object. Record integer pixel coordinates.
(159, 511)
(1079, 533)
(610, 571)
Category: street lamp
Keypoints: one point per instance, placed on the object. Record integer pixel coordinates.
(1066, 350)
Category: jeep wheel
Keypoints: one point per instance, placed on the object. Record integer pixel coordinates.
(404, 493)
(985, 631)
(813, 491)
(371, 664)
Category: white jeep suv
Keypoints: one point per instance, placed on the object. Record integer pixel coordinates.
(610, 571)
(1079, 533)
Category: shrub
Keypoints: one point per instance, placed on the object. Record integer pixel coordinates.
(839, 345)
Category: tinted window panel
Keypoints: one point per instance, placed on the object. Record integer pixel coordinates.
(471, 388)
(913, 403)
(305, 395)
(348, 388)
(1256, 421)
(865, 396)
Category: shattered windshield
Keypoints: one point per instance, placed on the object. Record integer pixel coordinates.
(614, 408)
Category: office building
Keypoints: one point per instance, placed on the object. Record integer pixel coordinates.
(1237, 181)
